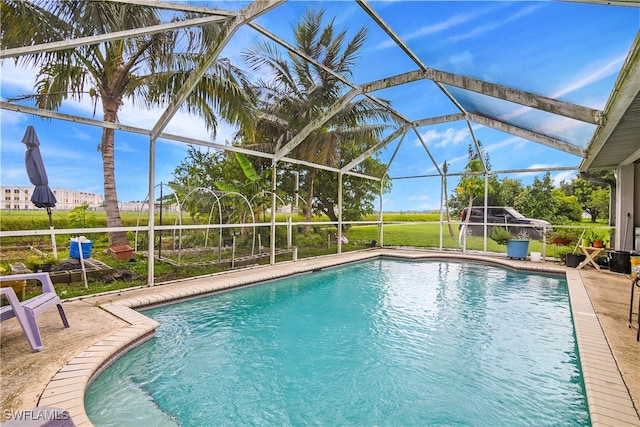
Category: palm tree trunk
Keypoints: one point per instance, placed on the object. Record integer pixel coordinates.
(116, 238)
(308, 212)
(446, 208)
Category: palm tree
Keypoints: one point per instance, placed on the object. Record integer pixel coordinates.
(148, 69)
(301, 91)
(445, 169)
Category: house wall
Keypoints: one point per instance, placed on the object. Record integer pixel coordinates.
(636, 207)
(627, 209)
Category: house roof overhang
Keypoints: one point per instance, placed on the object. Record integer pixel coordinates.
(617, 141)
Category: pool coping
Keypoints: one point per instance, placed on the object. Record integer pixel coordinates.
(608, 398)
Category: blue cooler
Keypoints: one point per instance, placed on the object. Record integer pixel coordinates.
(87, 245)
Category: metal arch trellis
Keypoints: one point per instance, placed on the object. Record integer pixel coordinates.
(148, 204)
(217, 196)
(265, 192)
(274, 208)
(211, 192)
(217, 202)
(206, 241)
(235, 193)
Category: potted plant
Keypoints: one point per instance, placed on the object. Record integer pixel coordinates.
(516, 248)
(574, 259)
(594, 239)
(600, 238)
(563, 236)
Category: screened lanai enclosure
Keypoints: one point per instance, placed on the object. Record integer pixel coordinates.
(343, 108)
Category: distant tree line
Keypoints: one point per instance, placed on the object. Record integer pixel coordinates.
(543, 200)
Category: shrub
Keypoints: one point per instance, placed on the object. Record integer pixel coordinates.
(500, 235)
(565, 236)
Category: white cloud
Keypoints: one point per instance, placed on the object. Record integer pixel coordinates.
(14, 173)
(591, 74)
(496, 24)
(437, 27)
(509, 142)
(80, 134)
(566, 176)
(13, 119)
(20, 79)
(447, 137)
(461, 60)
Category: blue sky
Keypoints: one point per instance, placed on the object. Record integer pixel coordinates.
(565, 50)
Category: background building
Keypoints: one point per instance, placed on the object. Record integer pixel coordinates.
(19, 198)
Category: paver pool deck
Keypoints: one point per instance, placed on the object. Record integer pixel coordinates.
(104, 326)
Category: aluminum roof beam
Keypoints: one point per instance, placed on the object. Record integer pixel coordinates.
(117, 35)
(528, 99)
(252, 11)
(362, 157)
(627, 3)
(440, 119)
(142, 131)
(301, 54)
(316, 123)
(530, 135)
(402, 45)
(398, 41)
(493, 172)
(180, 6)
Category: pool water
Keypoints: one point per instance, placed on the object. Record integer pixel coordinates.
(381, 342)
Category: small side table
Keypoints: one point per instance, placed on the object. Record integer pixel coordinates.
(635, 283)
(591, 253)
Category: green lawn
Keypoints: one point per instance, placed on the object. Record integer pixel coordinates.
(418, 230)
(424, 235)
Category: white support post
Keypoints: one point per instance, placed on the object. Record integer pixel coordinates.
(150, 227)
(340, 212)
(381, 219)
(233, 251)
(625, 190)
(272, 244)
(442, 199)
(486, 199)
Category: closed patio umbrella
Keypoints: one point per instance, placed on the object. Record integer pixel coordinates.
(42, 195)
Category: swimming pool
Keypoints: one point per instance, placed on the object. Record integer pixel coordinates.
(381, 342)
